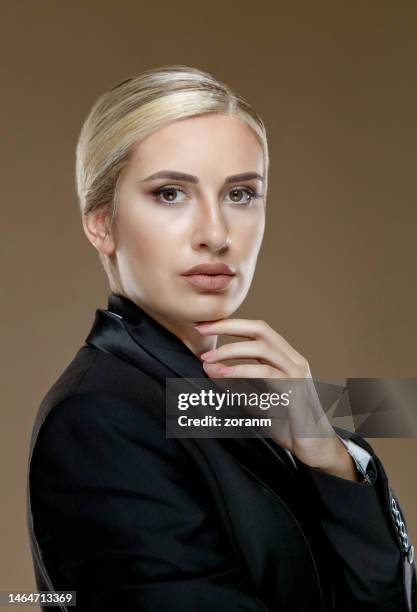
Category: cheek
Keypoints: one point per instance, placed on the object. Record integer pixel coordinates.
(137, 237)
(145, 251)
(249, 238)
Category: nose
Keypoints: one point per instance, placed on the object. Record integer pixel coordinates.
(210, 228)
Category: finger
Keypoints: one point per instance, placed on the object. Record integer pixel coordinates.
(212, 370)
(253, 329)
(280, 428)
(253, 349)
(242, 371)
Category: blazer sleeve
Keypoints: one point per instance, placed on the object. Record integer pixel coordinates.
(357, 520)
(122, 519)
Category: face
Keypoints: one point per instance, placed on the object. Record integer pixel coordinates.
(165, 225)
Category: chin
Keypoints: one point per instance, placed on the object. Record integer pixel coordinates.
(210, 312)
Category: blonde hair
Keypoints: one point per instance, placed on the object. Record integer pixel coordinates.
(131, 111)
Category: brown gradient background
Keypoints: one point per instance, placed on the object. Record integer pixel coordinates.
(335, 83)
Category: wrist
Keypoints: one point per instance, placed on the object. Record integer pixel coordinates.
(338, 461)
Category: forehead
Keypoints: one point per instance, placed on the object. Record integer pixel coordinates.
(212, 141)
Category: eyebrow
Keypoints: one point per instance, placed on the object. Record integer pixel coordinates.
(182, 176)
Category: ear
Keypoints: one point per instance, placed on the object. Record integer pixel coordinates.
(95, 226)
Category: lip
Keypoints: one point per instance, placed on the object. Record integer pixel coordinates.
(209, 282)
(210, 268)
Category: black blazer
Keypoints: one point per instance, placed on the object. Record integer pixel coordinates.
(133, 520)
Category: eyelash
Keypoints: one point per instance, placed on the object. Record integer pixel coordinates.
(160, 190)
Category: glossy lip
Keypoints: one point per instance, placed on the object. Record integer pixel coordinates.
(210, 268)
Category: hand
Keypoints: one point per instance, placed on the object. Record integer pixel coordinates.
(277, 359)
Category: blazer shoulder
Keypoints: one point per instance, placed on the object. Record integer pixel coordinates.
(109, 373)
(97, 437)
(98, 409)
(100, 387)
(92, 369)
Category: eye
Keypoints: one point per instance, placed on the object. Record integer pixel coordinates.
(166, 195)
(168, 191)
(236, 198)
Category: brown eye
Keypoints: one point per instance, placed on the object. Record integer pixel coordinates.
(167, 195)
(236, 195)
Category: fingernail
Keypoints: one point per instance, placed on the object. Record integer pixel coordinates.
(208, 354)
(226, 370)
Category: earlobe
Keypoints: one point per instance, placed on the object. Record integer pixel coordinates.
(97, 232)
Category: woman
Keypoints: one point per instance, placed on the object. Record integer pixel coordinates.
(172, 173)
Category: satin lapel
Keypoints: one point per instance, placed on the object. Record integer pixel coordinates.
(153, 349)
